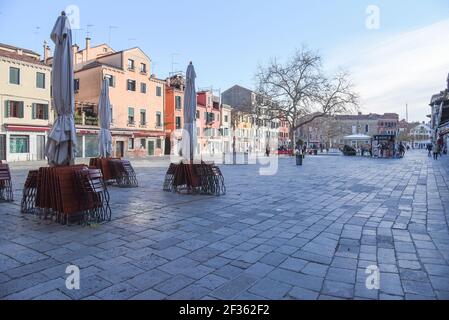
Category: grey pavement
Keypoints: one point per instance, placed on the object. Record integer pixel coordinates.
(305, 233)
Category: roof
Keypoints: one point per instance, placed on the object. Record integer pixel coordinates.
(371, 116)
(21, 57)
(15, 48)
(96, 64)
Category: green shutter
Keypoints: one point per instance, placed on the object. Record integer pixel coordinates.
(7, 109)
(46, 112)
(21, 110)
(33, 111)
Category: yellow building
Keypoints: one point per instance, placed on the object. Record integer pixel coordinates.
(25, 102)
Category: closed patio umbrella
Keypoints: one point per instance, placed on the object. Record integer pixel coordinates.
(104, 111)
(61, 144)
(189, 132)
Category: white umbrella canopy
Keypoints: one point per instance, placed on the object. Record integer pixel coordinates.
(104, 111)
(61, 144)
(189, 132)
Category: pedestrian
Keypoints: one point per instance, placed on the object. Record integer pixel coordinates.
(268, 152)
(401, 150)
(429, 149)
(436, 151)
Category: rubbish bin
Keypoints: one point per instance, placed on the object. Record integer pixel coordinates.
(299, 158)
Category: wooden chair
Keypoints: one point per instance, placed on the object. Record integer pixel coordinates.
(6, 193)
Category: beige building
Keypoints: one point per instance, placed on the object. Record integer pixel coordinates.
(136, 96)
(25, 102)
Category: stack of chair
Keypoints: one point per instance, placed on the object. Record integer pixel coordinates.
(28, 204)
(124, 173)
(95, 197)
(6, 193)
(104, 165)
(169, 176)
(57, 195)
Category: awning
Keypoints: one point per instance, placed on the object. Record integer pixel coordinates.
(23, 128)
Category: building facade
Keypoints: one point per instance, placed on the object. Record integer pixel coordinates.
(421, 136)
(174, 112)
(137, 101)
(208, 122)
(439, 117)
(25, 100)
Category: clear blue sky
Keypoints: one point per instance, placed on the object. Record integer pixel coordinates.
(225, 39)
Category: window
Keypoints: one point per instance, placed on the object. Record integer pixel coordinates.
(76, 84)
(111, 80)
(143, 143)
(158, 143)
(158, 91)
(178, 122)
(143, 68)
(130, 64)
(178, 102)
(143, 117)
(143, 88)
(14, 75)
(40, 80)
(14, 109)
(158, 119)
(366, 128)
(130, 143)
(197, 114)
(130, 115)
(225, 118)
(131, 85)
(40, 111)
(112, 113)
(19, 144)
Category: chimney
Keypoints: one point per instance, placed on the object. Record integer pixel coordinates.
(87, 48)
(75, 49)
(19, 51)
(46, 51)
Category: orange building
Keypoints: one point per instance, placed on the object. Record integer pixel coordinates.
(174, 111)
(137, 101)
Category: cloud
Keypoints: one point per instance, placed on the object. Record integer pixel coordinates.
(405, 68)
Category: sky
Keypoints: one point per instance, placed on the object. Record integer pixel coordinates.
(403, 61)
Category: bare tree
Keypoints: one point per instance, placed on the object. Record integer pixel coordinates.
(298, 92)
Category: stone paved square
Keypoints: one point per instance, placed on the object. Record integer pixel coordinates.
(305, 233)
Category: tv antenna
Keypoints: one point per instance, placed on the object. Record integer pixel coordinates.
(88, 30)
(110, 34)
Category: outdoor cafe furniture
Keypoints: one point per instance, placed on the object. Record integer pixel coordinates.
(124, 173)
(195, 178)
(116, 169)
(67, 194)
(6, 193)
(28, 204)
(95, 196)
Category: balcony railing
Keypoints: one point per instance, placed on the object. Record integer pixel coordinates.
(83, 120)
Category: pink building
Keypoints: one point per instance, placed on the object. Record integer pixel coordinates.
(208, 124)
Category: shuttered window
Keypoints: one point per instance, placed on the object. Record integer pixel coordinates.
(40, 111)
(14, 109)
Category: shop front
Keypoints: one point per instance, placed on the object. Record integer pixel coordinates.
(23, 143)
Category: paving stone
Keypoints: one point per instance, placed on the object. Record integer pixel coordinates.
(270, 289)
(338, 289)
(233, 288)
(174, 284)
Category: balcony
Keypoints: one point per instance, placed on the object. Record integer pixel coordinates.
(84, 120)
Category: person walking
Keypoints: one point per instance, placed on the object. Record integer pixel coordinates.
(429, 149)
(436, 151)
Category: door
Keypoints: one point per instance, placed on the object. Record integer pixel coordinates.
(2, 147)
(119, 149)
(150, 147)
(40, 147)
